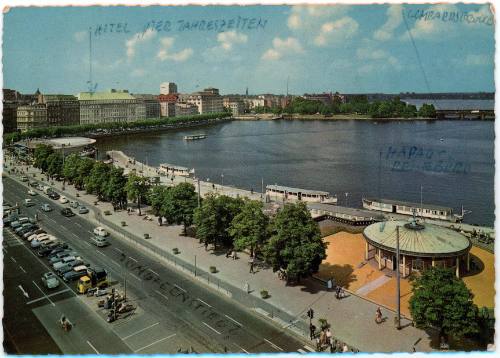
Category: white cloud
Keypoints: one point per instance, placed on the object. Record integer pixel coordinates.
(137, 39)
(377, 59)
(164, 53)
(228, 39)
(336, 31)
(394, 19)
(80, 36)
(138, 72)
(283, 47)
(309, 16)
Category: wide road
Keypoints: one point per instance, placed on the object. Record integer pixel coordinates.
(177, 312)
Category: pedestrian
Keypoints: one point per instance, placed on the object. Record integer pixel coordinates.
(234, 255)
(328, 336)
(228, 253)
(345, 349)
(312, 331)
(247, 287)
(206, 245)
(252, 262)
(332, 348)
(318, 345)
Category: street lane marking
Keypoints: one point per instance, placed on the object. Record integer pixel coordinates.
(78, 224)
(120, 251)
(43, 293)
(135, 276)
(95, 350)
(99, 252)
(243, 349)
(13, 259)
(87, 243)
(23, 291)
(22, 269)
(154, 272)
(52, 294)
(141, 330)
(235, 321)
(130, 257)
(75, 235)
(180, 288)
(199, 299)
(161, 294)
(116, 263)
(273, 345)
(158, 341)
(301, 351)
(213, 329)
(310, 349)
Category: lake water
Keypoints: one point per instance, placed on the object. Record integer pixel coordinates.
(452, 160)
(455, 104)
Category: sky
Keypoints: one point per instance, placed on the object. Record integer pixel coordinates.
(344, 48)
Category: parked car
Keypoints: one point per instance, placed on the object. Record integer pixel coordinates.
(28, 202)
(74, 204)
(45, 240)
(46, 207)
(50, 280)
(24, 178)
(63, 262)
(35, 230)
(83, 210)
(99, 231)
(99, 241)
(24, 228)
(32, 192)
(73, 275)
(46, 249)
(10, 219)
(69, 266)
(58, 249)
(33, 184)
(63, 200)
(59, 256)
(53, 195)
(67, 212)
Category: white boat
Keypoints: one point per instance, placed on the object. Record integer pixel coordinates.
(175, 170)
(408, 208)
(195, 136)
(278, 192)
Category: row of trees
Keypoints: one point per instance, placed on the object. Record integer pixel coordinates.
(394, 108)
(56, 131)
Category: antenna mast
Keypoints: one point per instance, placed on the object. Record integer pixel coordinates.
(90, 83)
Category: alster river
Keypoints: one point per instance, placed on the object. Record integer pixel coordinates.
(453, 161)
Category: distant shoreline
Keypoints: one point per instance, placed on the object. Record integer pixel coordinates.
(344, 117)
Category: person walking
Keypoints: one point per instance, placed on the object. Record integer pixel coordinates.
(312, 331)
(252, 262)
(345, 349)
(234, 255)
(247, 287)
(328, 336)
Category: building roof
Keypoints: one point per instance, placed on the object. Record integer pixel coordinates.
(296, 190)
(408, 203)
(336, 210)
(421, 240)
(104, 96)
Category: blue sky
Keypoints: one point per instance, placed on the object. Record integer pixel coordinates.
(350, 49)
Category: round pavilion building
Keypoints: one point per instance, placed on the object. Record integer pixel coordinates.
(421, 245)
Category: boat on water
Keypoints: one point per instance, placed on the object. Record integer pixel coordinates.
(279, 192)
(195, 136)
(408, 208)
(175, 170)
(88, 151)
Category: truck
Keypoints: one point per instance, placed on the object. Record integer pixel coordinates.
(95, 277)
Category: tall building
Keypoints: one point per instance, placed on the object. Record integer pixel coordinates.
(31, 117)
(237, 107)
(11, 101)
(62, 110)
(109, 107)
(167, 104)
(207, 101)
(151, 104)
(168, 88)
(185, 109)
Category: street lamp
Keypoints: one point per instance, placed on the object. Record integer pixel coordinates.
(346, 195)
(222, 179)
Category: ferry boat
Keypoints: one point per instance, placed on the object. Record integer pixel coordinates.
(195, 137)
(175, 170)
(295, 194)
(408, 208)
(88, 151)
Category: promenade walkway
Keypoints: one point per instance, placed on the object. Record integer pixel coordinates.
(351, 318)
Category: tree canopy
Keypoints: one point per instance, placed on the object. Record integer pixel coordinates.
(295, 244)
(441, 300)
(137, 187)
(179, 203)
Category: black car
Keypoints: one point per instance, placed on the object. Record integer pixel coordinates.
(45, 250)
(73, 275)
(53, 195)
(57, 250)
(67, 212)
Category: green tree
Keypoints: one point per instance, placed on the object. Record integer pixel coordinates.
(249, 228)
(214, 217)
(441, 300)
(137, 188)
(83, 170)
(95, 182)
(295, 245)
(41, 154)
(54, 165)
(156, 197)
(427, 111)
(179, 206)
(114, 188)
(70, 168)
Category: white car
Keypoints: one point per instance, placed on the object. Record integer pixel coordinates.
(50, 280)
(46, 207)
(63, 200)
(45, 240)
(28, 202)
(37, 237)
(99, 241)
(32, 192)
(99, 231)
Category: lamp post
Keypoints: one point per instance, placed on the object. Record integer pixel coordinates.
(398, 288)
(346, 195)
(222, 179)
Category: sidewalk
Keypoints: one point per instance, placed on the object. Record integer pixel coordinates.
(352, 318)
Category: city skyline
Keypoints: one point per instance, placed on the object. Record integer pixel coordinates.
(350, 49)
